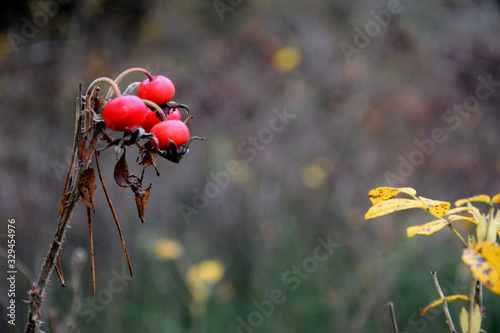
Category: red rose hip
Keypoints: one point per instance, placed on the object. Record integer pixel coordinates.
(124, 113)
(174, 130)
(174, 114)
(160, 90)
(151, 120)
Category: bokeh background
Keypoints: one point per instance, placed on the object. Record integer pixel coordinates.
(356, 85)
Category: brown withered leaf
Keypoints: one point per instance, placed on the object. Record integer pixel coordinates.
(87, 187)
(149, 158)
(141, 199)
(121, 172)
(62, 204)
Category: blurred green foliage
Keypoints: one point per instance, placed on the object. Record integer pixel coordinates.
(354, 122)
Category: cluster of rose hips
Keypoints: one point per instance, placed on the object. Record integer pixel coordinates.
(127, 113)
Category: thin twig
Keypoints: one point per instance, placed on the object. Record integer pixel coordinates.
(58, 269)
(471, 303)
(115, 217)
(445, 304)
(92, 267)
(393, 317)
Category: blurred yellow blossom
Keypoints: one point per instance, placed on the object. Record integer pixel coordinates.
(287, 58)
(314, 174)
(201, 277)
(167, 249)
(243, 174)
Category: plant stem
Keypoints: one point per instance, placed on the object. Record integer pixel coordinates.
(37, 295)
(455, 231)
(445, 304)
(120, 77)
(114, 86)
(471, 303)
(393, 317)
(159, 111)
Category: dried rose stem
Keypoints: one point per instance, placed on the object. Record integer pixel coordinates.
(71, 196)
(115, 217)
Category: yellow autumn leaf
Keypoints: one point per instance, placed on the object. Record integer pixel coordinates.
(391, 206)
(484, 262)
(476, 198)
(443, 300)
(437, 207)
(464, 320)
(481, 222)
(426, 229)
(456, 210)
(453, 218)
(476, 320)
(496, 198)
(380, 194)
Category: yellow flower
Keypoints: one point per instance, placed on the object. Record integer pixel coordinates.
(207, 272)
(167, 249)
(202, 277)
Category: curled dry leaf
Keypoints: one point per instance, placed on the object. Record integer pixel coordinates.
(148, 157)
(141, 199)
(87, 187)
(124, 178)
(121, 172)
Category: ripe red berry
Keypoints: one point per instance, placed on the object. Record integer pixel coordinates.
(174, 114)
(174, 130)
(160, 90)
(151, 120)
(124, 113)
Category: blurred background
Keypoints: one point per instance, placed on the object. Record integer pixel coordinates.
(306, 106)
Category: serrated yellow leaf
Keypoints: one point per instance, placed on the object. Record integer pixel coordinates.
(453, 218)
(426, 229)
(391, 206)
(496, 198)
(437, 207)
(464, 320)
(484, 262)
(443, 300)
(477, 198)
(380, 194)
